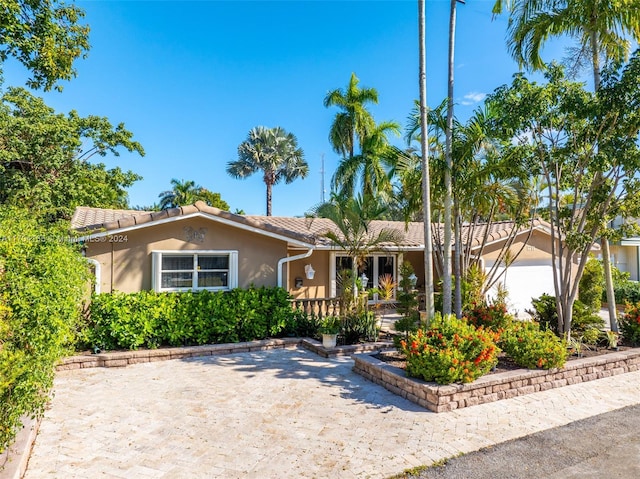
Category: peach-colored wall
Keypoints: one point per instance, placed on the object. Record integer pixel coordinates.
(318, 287)
(416, 258)
(130, 269)
(538, 248)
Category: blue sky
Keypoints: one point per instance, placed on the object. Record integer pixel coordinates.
(191, 78)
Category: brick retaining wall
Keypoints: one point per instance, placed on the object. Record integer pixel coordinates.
(125, 358)
(493, 387)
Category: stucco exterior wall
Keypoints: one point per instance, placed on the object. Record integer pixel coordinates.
(126, 259)
(537, 249)
(625, 258)
(318, 287)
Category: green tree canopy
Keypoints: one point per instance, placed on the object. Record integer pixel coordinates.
(44, 158)
(353, 122)
(45, 36)
(187, 193)
(586, 147)
(272, 151)
(352, 217)
(599, 27)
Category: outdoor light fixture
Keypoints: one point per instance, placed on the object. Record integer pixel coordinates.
(413, 278)
(309, 271)
(365, 280)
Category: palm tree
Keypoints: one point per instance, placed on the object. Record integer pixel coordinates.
(353, 122)
(370, 168)
(272, 151)
(601, 28)
(448, 195)
(485, 187)
(424, 145)
(187, 193)
(352, 217)
(181, 193)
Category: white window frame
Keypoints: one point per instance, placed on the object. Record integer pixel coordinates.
(156, 263)
(333, 273)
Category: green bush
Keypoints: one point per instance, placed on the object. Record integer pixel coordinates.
(584, 318)
(451, 350)
(624, 290)
(359, 326)
(591, 336)
(43, 281)
(591, 286)
(149, 319)
(627, 292)
(531, 347)
(301, 324)
(545, 313)
(630, 324)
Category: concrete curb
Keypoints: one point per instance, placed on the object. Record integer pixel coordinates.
(14, 460)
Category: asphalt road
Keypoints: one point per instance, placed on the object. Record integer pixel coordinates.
(604, 447)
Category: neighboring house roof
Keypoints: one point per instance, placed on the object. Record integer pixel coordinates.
(303, 232)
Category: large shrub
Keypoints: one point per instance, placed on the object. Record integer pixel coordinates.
(531, 347)
(591, 285)
(545, 312)
(43, 280)
(149, 319)
(630, 324)
(625, 290)
(451, 350)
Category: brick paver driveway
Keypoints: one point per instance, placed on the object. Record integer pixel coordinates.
(276, 414)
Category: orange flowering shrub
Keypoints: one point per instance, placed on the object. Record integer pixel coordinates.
(451, 350)
(532, 348)
(493, 316)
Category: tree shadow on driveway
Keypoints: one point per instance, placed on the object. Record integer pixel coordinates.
(300, 364)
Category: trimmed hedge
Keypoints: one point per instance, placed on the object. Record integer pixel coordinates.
(149, 319)
(43, 281)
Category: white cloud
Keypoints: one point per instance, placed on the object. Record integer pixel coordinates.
(473, 97)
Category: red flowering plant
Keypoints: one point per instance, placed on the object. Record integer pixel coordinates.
(533, 348)
(489, 315)
(451, 350)
(630, 324)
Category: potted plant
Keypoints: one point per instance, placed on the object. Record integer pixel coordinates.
(329, 328)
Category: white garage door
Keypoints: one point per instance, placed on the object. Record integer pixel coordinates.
(526, 282)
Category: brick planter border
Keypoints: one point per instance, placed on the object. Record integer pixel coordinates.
(493, 387)
(125, 358)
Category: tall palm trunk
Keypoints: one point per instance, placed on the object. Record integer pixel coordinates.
(606, 253)
(426, 187)
(446, 254)
(269, 194)
(457, 219)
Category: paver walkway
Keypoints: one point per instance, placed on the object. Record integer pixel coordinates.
(276, 414)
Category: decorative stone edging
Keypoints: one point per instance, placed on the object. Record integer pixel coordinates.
(14, 459)
(493, 387)
(125, 358)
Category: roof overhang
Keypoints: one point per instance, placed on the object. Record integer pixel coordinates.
(199, 214)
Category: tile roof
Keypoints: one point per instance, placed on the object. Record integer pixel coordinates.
(96, 220)
(311, 231)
